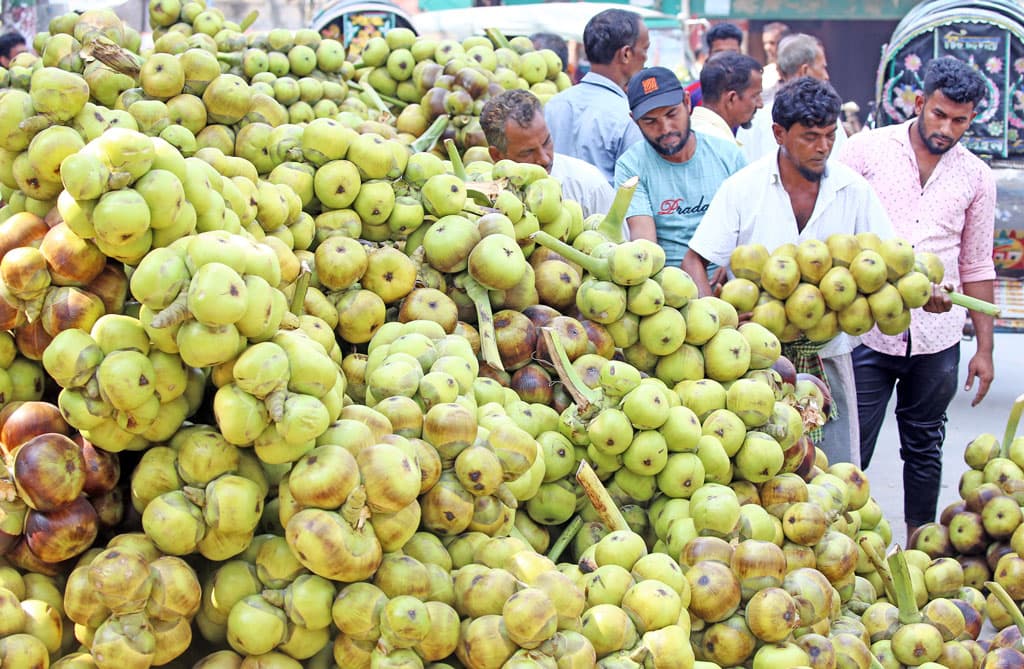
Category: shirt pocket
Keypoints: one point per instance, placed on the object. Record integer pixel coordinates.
(945, 214)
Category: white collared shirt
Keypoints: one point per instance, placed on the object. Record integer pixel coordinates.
(753, 207)
(583, 183)
(712, 124)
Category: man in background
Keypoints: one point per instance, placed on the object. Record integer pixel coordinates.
(679, 170)
(732, 94)
(800, 55)
(723, 37)
(514, 126)
(11, 44)
(553, 42)
(590, 120)
(941, 198)
(719, 37)
(771, 34)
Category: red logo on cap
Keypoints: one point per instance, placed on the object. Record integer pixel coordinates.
(650, 85)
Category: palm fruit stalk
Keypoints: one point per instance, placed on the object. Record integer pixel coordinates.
(610, 224)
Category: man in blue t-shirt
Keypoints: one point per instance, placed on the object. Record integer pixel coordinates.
(680, 170)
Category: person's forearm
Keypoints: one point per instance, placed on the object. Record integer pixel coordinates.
(642, 227)
(697, 267)
(983, 324)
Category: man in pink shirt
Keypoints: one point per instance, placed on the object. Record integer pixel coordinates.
(941, 198)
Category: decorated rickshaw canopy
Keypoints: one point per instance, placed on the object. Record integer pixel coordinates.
(990, 36)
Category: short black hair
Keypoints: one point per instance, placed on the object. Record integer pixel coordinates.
(723, 31)
(515, 104)
(957, 80)
(8, 41)
(726, 71)
(609, 31)
(807, 101)
(553, 42)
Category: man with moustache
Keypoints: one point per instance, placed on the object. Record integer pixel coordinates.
(513, 123)
(732, 94)
(794, 194)
(679, 170)
(941, 199)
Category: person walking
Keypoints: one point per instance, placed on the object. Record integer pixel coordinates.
(679, 170)
(787, 197)
(590, 120)
(941, 198)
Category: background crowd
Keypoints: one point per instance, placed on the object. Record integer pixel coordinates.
(757, 153)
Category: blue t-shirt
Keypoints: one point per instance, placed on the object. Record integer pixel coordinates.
(676, 195)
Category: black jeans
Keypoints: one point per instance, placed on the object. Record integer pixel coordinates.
(925, 385)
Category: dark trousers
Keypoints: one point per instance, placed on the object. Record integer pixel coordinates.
(925, 385)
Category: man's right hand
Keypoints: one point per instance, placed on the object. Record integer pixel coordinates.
(696, 267)
(718, 279)
(939, 302)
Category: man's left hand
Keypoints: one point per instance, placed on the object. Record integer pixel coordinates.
(939, 302)
(981, 367)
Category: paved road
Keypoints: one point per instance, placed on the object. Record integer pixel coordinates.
(965, 423)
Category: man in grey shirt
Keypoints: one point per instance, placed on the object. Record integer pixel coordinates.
(590, 120)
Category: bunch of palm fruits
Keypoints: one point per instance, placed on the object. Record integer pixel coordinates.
(978, 538)
(21, 379)
(118, 390)
(346, 398)
(62, 491)
(53, 280)
(130, 604)
(847, 283)
(428, 79)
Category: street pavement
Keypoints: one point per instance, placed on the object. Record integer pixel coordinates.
(965, 422)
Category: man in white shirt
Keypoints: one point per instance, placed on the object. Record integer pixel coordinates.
(771, 35)
(800, 55)
(731, 84)
(792, 195)
(514, 126)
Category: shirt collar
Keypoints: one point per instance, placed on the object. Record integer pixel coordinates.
(712, 117)
(901, 135)
(602, 81)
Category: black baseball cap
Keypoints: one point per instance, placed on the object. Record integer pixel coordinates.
(652, 88)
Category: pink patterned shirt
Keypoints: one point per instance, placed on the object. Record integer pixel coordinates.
(953, 216)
